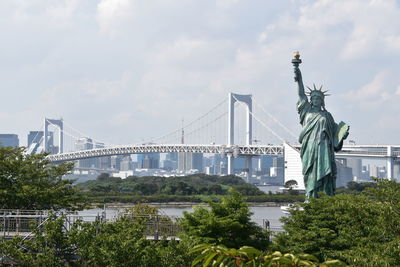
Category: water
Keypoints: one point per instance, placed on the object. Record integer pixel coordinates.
(260, 214)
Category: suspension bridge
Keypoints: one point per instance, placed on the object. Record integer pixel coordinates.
(236, 131)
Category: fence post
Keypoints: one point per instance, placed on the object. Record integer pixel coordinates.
(156, 233)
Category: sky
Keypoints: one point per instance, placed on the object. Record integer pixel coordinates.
(123, 70)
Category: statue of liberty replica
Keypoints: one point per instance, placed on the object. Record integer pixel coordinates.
(320, 138)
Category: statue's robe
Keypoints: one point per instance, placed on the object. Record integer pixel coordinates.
(319, 141)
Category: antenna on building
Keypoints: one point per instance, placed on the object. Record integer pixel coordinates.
(183, 134)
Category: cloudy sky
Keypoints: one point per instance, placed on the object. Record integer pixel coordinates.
(121, 70)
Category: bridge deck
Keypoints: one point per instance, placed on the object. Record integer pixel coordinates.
(369, 151)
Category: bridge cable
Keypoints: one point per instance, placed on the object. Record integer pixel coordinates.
(276, 120)
(204, 126)
(85, 135)
(93, 142)
(190, 123)
(261, 122)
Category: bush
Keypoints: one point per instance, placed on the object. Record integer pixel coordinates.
(227, 223)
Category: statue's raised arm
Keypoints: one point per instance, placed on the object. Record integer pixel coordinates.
(296, 61)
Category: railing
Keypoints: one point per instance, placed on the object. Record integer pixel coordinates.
(20, 222)
(158, 226)
(23, 222)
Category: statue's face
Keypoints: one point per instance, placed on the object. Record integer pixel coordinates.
(316, 101)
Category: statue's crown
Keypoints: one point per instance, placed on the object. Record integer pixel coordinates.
(317, 92)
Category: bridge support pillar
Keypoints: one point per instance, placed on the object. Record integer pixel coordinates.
(247, 100)
(249, 167)
(230, 163)
(389, 163)
(46, 136)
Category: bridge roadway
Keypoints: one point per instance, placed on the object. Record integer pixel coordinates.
(364, 151)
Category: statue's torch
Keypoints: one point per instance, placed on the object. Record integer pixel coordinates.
(296, 61)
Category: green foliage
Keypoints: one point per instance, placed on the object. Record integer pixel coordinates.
(192, 188)
(361, 230)
(31, 182)
(290, 184)
(222, 256)
(49, 247)
(121, 243)
(355, 188)
(227, 223)
(152, 185)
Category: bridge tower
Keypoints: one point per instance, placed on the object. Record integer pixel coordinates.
(46, 135)
(245, 99)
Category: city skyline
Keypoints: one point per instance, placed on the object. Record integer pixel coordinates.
(123, 71)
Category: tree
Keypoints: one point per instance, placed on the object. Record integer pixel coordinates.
(361, 229)
(31, 182)
(290, 184)
(248, 256)
(226, 223)
(120, 243)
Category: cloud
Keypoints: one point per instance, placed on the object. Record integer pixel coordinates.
(116, 66)
(373, 93)
(111, 14)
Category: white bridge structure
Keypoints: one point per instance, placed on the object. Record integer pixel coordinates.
(220, 141)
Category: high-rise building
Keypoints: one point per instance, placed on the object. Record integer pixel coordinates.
(85, 143)
(9, 140)
(170, 162)
(190, 161)
(344, 173)
(149, 160)
(216, 163)
(116, 162)
(126, 164)
(102, 162)
(356, 166)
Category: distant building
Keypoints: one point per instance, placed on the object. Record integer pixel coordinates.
(396, 171)
(217, 161)
(85, 143)
(102, 162)
(277, 170)
(190, 161)
(356, 165)
(116, 162)
(127, 164)
(149, 160)
(381, 172)
(344, 173)
(365, 174)
(9, 140)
